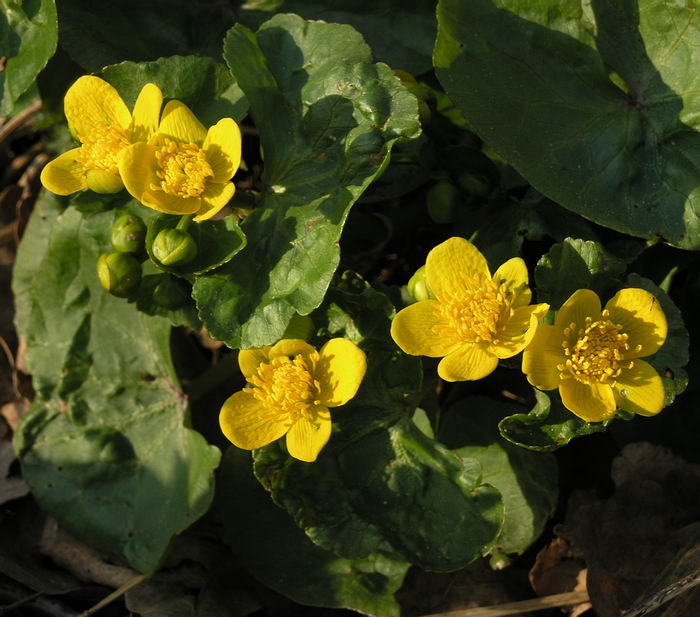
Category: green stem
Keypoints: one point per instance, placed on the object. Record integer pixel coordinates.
(184, 222)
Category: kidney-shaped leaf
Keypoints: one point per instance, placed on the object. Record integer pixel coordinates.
(596, 104)
(327, 118)
(105, 447)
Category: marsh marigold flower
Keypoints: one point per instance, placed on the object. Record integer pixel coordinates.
(101, 121)
(291, 388)
(184, 168)
(593, 356)
(475, 318)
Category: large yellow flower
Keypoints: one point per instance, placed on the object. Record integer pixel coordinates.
(292, 387)
(101, 121)
(475, 318)
(184, 168)
(592, 356)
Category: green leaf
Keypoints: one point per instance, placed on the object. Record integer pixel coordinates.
(204, 85)
(327, 119)
(392, 491)
(105, 447)
(527, 480)
(405, 43)
(28, 38)
(548, 425)
(217, 241)
(277, 552)
(576, 264)
(594, 104)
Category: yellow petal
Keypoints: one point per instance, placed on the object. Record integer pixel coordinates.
(412, 330)
(581, 304)
(90, 102)
(469, 363)
(250, 359)
(103, 182)
(222, 147)
(452, 266)
(65, 174)
(640, 389)
(642, 319)
(180, 124)
(340, 369)
(214, 197)
(247, 424)
(305, 439)
(590, 402)
(513, 273)
(519, 330)
(541, 357)
(292, 347)
(144, 120)
(137, 167)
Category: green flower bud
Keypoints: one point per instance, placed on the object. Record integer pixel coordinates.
(300, 326)
(171, 293)
(418, 287)
(128, 234)
(441, 200)
(475, 183)
(119, 273)
(174, 247)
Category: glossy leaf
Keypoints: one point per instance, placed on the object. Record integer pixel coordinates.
(527, 480)
(548, 425)
(28, 38)
(105, 447)
(327, 118)
(278, 553)
(594, 104)
(405, 43)
(204, 85)
(217, 241)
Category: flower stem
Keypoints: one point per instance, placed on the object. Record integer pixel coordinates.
(184, 222)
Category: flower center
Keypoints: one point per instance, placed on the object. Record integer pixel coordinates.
(182, 168)
(101, 147)
(287, 386)
(596, 352)
(477, 314)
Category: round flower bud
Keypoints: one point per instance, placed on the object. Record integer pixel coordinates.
(300, 327)
(475, 183)
(441, 200)
(171, 293)
(418, 287)
(128, 234)
(174, 247)
(119, 273)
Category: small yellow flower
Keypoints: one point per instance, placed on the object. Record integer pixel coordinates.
(475, 318)
(184, 168)
(292, 387)
(592, 356)
(101, 121)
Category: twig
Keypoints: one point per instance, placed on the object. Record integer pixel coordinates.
(14, 123)
(516, 608)
(117, 593)
(13, 367)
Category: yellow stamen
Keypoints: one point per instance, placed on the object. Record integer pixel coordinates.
(182, 168)
(596, 352)
(287, 387)
(477, 314)
(101, 147)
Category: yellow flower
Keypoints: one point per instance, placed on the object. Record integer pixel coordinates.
(475, 318)
(101, 121)
(292, 387)
(184, 168)
(592, 356)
